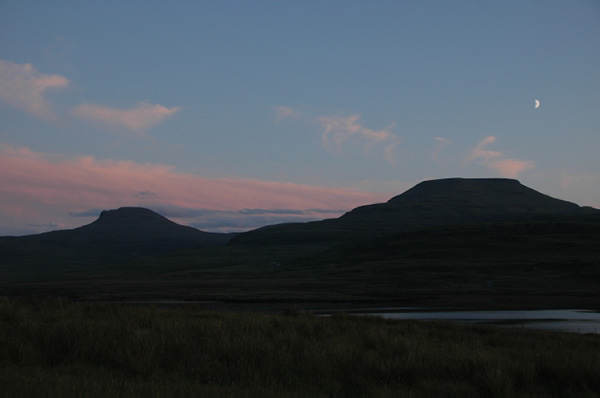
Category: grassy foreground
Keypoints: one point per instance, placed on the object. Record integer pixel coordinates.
(59, 348)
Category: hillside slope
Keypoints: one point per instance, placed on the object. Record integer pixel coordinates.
(430, 203)
(134, 226)
(115, 236)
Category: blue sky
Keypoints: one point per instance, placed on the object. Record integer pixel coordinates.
(231, 115)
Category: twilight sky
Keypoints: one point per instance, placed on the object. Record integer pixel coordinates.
(233, 115)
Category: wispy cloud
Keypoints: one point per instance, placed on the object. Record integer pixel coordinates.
(39, 187)
(23, 87)
(339, 130)
(495, 160)
(480, 152)
(285, 112)
(340, 133)
(138, 119)
(510, 167)
(146, 195)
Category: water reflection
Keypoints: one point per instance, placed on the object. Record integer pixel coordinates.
(577, 321)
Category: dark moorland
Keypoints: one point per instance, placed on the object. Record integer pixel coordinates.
(65, 349)
(452, 242)
(69, 325)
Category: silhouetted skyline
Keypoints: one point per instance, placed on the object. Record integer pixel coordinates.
(230, 117)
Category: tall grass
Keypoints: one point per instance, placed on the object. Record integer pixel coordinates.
(58, 348)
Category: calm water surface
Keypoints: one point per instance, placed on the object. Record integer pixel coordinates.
(577, 321)
(574, 321)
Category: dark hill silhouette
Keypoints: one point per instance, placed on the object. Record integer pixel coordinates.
(134, 227)
(449, 242)
(136, 224)
(428, 204)
(115, 236)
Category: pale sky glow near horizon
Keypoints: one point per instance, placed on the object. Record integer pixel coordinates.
(231, 115)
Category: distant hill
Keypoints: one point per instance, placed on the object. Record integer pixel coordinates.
(133, 226)
(116, 235)
(428, 204)
(451, 242)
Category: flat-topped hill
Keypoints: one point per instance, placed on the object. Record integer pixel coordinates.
(128, 225)
(430, 203)
(116, 235)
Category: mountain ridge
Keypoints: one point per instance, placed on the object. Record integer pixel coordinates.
(132, 224)
(117, 235)
(454, 240)
(429, 203)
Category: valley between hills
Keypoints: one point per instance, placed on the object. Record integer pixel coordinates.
(454, 242)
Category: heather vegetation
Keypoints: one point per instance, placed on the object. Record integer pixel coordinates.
(60, 348)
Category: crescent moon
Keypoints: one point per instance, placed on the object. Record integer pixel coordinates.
(536, 103)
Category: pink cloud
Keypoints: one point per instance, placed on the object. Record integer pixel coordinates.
(22, 86)
(495, 160)
(138, 119)
(510, 168)
(38, 187)
(480, 152)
